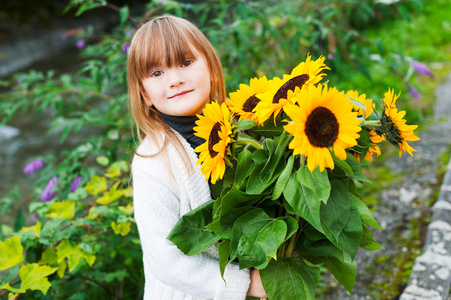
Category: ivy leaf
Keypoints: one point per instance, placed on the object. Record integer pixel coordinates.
(33, 277)
(96, 185)
(113, 171)
(123, 12)
(62, 210)
(111, 195)
(190, 234)
(290, 279)
(11, 253)
(73, 253)
(317, 181)
(121, 228)
(126, 209)
(62, 268)
(49, 257)
(36, 229)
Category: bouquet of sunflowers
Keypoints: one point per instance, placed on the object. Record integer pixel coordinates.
(284, 157)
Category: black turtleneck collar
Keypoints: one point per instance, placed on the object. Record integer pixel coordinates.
(184, 125)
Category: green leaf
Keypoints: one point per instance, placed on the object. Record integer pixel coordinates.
(255, 237)
(223, 225)
(367, 242)
(246, 124)
(365, 213)
(343, 165)
(317, 181)
(124, 12)
(290, 279)
(344, 272)
(11, 253)
(190, 234)
(96, 185)
(223, 252)
(316, 248)
(304, 201)
(282, 180)
(121, 228)
(276, 151)
(335, 213)
(244, 166)
(349, 239)
(232, 199)
(61, 210)
(102, 160)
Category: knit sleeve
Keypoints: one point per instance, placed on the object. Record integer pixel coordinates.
(156, 213)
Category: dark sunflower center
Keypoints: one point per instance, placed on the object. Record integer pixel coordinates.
(214, 139)
(250, 103)
(321, 127)
(291, 84)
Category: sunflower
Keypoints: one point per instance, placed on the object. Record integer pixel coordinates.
(282, 91)
(354, 95)
(323, 120)
(398, 133)
(215, 127)
(243, 101)
(375, 139)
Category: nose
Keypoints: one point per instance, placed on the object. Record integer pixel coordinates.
(175, 78)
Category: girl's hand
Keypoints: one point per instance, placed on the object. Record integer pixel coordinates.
(256, 288)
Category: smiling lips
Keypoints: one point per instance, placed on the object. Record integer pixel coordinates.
(180, 94)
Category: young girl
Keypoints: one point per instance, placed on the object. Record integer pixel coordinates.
(173, 71)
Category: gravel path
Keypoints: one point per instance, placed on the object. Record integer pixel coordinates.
(403, 208)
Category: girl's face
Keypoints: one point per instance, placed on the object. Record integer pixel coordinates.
(181, 90)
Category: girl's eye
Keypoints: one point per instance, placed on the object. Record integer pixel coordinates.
(156, 73)
(187, 63)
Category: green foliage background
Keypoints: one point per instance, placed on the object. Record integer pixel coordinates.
(369, 45)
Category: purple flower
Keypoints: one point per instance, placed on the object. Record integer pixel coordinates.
(80, 44)
(75, 183)
(33, 166)
(47, 195)
(330, 56)
(125, 47)
(34, 217)
(20, 79)
(413, 92)
(421, 68)
(130, 32)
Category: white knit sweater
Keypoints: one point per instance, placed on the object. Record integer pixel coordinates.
(160, 198)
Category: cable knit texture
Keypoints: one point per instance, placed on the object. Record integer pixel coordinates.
(163, 191)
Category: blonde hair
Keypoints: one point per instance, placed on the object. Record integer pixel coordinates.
(166, 41)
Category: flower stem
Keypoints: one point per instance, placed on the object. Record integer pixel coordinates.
(372, 123)
(249, 141)
(292, 243)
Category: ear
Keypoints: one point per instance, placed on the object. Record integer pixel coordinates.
(145, 97)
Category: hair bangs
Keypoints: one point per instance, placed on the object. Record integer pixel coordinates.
(160, 51)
